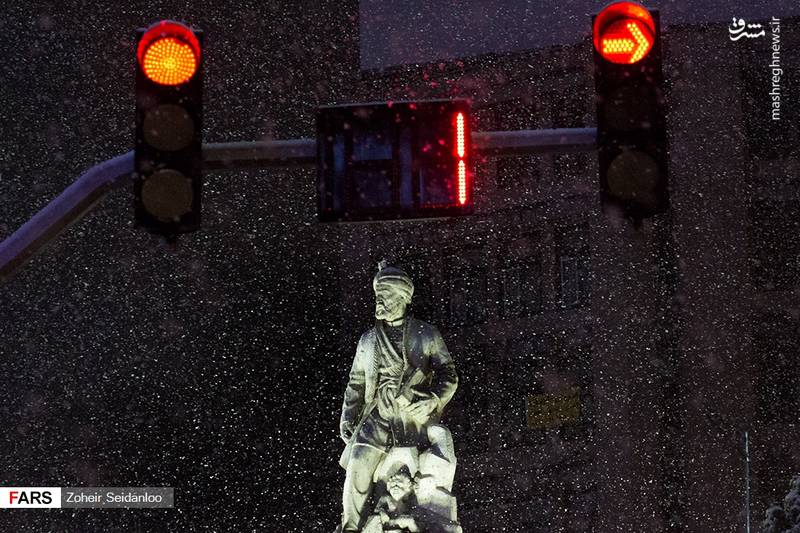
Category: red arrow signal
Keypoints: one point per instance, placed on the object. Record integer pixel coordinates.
(624, 32)
(626, 41)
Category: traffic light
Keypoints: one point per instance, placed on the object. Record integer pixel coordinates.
(394, 160)
(169, 119)
(631, 128)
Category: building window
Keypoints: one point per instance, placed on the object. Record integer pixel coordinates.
(459, 299)
(522, 289)
(572, 265)
(573, 281)
(558, 394)
(555, 409)
(466, 284)
(467, 295)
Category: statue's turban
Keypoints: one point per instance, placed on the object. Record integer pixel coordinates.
(395, 279)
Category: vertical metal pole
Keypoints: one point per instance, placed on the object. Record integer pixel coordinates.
(747, 479)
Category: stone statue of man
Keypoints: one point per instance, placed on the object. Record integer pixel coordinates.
(401, 378)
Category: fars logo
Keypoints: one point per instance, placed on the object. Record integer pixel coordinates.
(30, 497)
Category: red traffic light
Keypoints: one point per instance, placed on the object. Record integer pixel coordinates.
(461, 153)
(168, 53)
(624, 32)
(394, 160)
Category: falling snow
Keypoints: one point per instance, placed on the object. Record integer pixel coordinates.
(607, 372)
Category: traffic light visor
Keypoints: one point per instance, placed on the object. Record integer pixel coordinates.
(624, 32)
(168, 53)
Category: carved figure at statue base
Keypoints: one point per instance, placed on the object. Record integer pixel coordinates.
(399, 460)
(414, 488)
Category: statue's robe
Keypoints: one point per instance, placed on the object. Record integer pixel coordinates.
(369, 389)
(415, 366)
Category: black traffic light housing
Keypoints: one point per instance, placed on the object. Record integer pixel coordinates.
(169, 120)
(631, 124)
(394, 160)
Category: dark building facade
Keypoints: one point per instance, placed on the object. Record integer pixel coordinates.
(609, 374)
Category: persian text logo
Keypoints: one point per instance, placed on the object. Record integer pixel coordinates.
(739, 28)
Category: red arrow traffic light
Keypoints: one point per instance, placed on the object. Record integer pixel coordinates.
(624, 32)
(631, 124)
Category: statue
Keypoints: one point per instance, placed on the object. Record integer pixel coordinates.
(396, 453)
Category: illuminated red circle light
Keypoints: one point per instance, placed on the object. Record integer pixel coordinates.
(168, 53)
(624, 33)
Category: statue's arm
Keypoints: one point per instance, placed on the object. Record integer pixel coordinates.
(445, 378)
(354, 393)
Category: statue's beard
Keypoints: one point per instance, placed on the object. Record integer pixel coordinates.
(389, 313)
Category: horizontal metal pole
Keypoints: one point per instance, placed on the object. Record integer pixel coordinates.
(259, 154)
(296, 152)
(510, 143)
(90, 188)
(82, 196)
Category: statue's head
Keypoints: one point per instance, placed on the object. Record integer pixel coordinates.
(393, 291)
(400, 485)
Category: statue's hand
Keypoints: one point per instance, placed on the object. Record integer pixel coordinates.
(406, 522)
(422, 410)
(346, 431)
